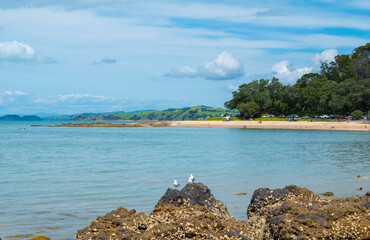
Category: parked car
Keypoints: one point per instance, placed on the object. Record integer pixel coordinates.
(306, 117)
(365, 117)
(341, 117)
(268, 116)
(316, 116)
(281, 116)
(333, 116)
(324, 116)
(292, 117)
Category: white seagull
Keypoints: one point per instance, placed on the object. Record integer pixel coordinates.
(191, 179)
(175, 183)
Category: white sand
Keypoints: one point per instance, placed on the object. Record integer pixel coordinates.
(304, 125)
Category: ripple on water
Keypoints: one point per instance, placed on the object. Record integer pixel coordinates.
(49, 172)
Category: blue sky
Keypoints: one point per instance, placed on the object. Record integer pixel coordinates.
(111, 55)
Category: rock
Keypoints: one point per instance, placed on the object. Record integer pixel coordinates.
(238, 193)
(40, 238)
(194, 213)
(195, 194)
(298, 213)
(20, 236)
(236, 235)
(359, 188)
(328, 194)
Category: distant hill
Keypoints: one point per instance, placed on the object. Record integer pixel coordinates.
(188, 113)
(172, 114)
(31, 118)
(13, 117)
(81, 116)
(58, 118)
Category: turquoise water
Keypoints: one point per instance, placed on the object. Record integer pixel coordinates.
(47, 173)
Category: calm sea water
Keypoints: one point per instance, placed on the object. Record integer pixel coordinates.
(57, 180)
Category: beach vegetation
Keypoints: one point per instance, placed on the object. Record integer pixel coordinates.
(341, 87)
(357, 114)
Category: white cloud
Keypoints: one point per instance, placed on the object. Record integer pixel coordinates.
(9, 93)
(12, 97)
(181, 72)
(20, 52)
(325, 56)
(284, 72)
(83, 98)
(231, 87)
(224, 67)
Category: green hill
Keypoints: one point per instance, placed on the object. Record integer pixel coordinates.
(189, 113)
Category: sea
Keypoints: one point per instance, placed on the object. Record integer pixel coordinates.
(55, 181)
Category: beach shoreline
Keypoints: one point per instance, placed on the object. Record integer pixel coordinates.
(299, 125)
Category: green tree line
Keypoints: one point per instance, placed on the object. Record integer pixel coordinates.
(341, 87)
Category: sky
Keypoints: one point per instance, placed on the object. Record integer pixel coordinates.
(79, 56)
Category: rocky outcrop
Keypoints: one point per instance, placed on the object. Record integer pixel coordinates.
(194, 194)
(194, 213)
(298, 213)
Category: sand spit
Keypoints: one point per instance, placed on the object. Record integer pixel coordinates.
(300, 125)
(107, 124)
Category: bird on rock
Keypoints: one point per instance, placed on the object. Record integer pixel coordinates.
(176, 184)
(191, 179)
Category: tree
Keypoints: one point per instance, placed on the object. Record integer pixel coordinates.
(342, 86)
(249, 109)
(357, 114)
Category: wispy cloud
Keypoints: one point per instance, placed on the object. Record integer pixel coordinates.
(20, 52)
(105, 60)
(224, 67)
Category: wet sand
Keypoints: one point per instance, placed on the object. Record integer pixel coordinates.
(303, 125)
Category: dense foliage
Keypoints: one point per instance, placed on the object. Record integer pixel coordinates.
(341, 87)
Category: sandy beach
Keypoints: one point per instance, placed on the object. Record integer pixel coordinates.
(304, 125)
(300, 125)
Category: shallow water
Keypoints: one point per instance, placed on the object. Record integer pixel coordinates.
(62, 178)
